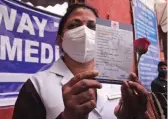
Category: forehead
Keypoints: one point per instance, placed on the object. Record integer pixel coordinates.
(83, 14)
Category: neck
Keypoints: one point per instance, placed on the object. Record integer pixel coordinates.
(76, 67)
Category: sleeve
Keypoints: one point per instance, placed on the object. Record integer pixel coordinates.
(29, 104)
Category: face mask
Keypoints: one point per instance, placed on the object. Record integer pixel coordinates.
(162, 73)
(79, 44)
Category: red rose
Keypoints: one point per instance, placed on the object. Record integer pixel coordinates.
(141, 45)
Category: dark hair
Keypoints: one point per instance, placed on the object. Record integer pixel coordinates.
(162, 63)
(70, 10)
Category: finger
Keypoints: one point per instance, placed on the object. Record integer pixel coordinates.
(117, 110)
(80, 76)
(126, 102)
(87, 107)
(127, 88)
(84, 85)
(85, 96)
(123, 92)
(127, 93)
(138, 88)
(128, 98)
(134, 78)
(142, 92)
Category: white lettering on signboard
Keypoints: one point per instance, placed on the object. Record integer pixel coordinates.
(26, 24)
(41, 25)
(56, 24)
(14, 48)
(9, 19)
(11, 51)
(29, 51)
(44, 48)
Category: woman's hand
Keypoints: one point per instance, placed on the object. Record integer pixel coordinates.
(133, 103)
(79, 95)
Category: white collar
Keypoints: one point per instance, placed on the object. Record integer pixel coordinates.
(60, 68)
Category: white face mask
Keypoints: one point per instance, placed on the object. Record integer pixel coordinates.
(79, 44)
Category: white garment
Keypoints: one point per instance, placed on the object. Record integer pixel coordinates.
(49, 84)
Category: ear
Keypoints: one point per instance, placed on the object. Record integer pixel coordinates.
(59, 41)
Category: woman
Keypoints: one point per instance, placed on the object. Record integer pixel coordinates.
(68, 90)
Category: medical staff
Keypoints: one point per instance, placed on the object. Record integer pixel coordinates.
(68, 90)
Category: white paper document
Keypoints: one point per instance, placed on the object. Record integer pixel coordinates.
(114, 51)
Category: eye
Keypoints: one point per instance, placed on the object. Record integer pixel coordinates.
(91, 25)
(74, 24)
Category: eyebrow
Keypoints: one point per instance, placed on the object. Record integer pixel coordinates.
(74, 20)
(78, 20)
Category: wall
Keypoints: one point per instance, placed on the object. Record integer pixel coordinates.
(6, 112)
(117, 10)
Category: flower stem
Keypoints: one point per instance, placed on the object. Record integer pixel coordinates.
(139, 57)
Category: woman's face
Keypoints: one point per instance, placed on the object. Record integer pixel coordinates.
(79, 17)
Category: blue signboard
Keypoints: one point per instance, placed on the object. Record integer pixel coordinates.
(27, 43)
(145, 25)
